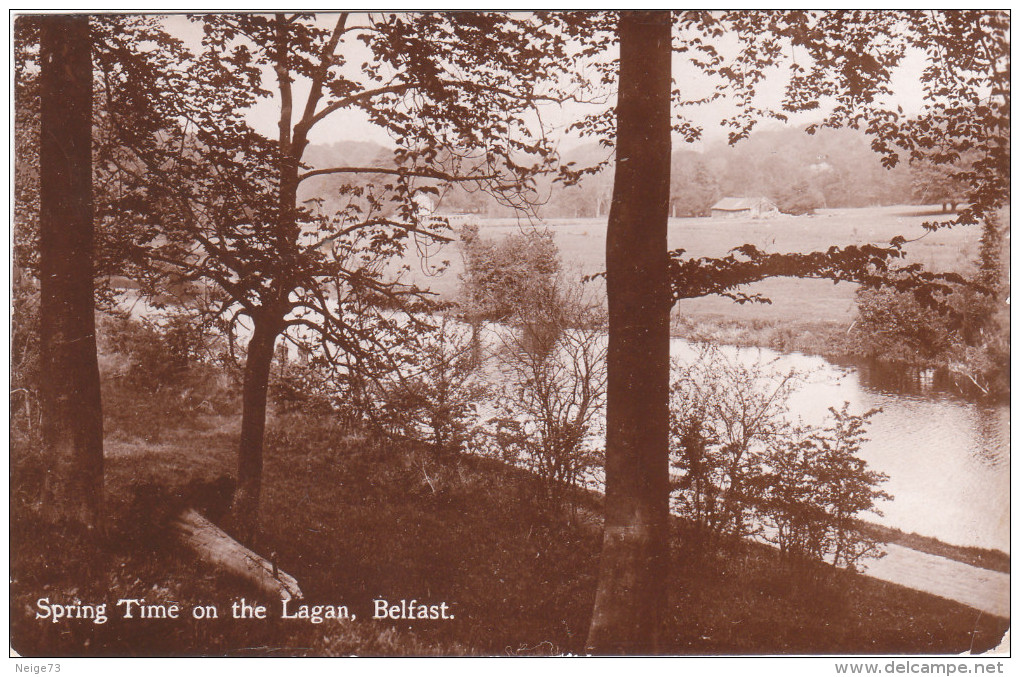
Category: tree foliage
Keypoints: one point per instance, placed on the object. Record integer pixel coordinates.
(869, 265)
(968, 335)
(693, 189)
(727, 421)
(502, 277)
(221, 200)
(816, 488)
(937, 184)
(840, 64)
(436, 403)
(846, 60)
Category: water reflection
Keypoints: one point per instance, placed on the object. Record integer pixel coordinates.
(947, 458)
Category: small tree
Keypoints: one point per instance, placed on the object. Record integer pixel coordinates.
(160, 349)
(815, 490)
(728, 420)
(789, 503)
(744, 469)
(894, 326)
(501, 277)
(799, 198)
(455, 91)
(552, 405)
(436, 404)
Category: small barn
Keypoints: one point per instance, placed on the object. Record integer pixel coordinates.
(455, 219)
(744, 208)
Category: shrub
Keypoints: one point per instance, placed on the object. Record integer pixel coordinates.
(894, 326)
(306, 386)
(501, 277)
(727, 419)
(967, 336)
(158, 350)
(156, 372)
(553, 397)
(435, 402)
(815, 489)
(743, 469)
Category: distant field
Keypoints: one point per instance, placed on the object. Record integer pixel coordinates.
(582, 246)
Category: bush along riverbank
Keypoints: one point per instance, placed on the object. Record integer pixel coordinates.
(356, 519)
(977, 374)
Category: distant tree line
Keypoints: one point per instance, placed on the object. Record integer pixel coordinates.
(800, 172)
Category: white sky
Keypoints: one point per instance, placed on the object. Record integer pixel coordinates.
(355, 125)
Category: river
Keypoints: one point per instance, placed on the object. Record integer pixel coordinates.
(947, 458)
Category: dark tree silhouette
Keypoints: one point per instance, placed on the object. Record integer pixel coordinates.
(628, 607)
(71, 405)
(69, 72)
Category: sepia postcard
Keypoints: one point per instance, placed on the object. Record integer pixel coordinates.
(511, 333)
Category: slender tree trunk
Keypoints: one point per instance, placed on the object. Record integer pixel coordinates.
(630, 600)
(71, 405)
(992, 254)
(244, 512)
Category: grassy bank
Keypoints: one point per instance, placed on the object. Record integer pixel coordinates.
(825, 338)
(356, 519)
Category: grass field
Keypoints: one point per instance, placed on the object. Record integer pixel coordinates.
(582, 243)
(806, 315)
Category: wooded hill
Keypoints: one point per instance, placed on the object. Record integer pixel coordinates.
(799, 171)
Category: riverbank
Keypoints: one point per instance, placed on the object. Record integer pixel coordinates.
(825, 338)
(984, 558)
(981, 589)
(831, 340)
(355, 519)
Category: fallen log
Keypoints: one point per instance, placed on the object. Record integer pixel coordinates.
(214, 546)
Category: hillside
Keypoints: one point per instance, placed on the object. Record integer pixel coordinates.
(357, 518)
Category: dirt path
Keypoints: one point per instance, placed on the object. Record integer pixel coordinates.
(981, 589)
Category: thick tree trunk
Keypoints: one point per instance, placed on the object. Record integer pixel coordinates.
(244, 511)
(71, 405)
(630, 600)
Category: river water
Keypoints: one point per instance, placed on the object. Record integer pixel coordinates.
(947, 458)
